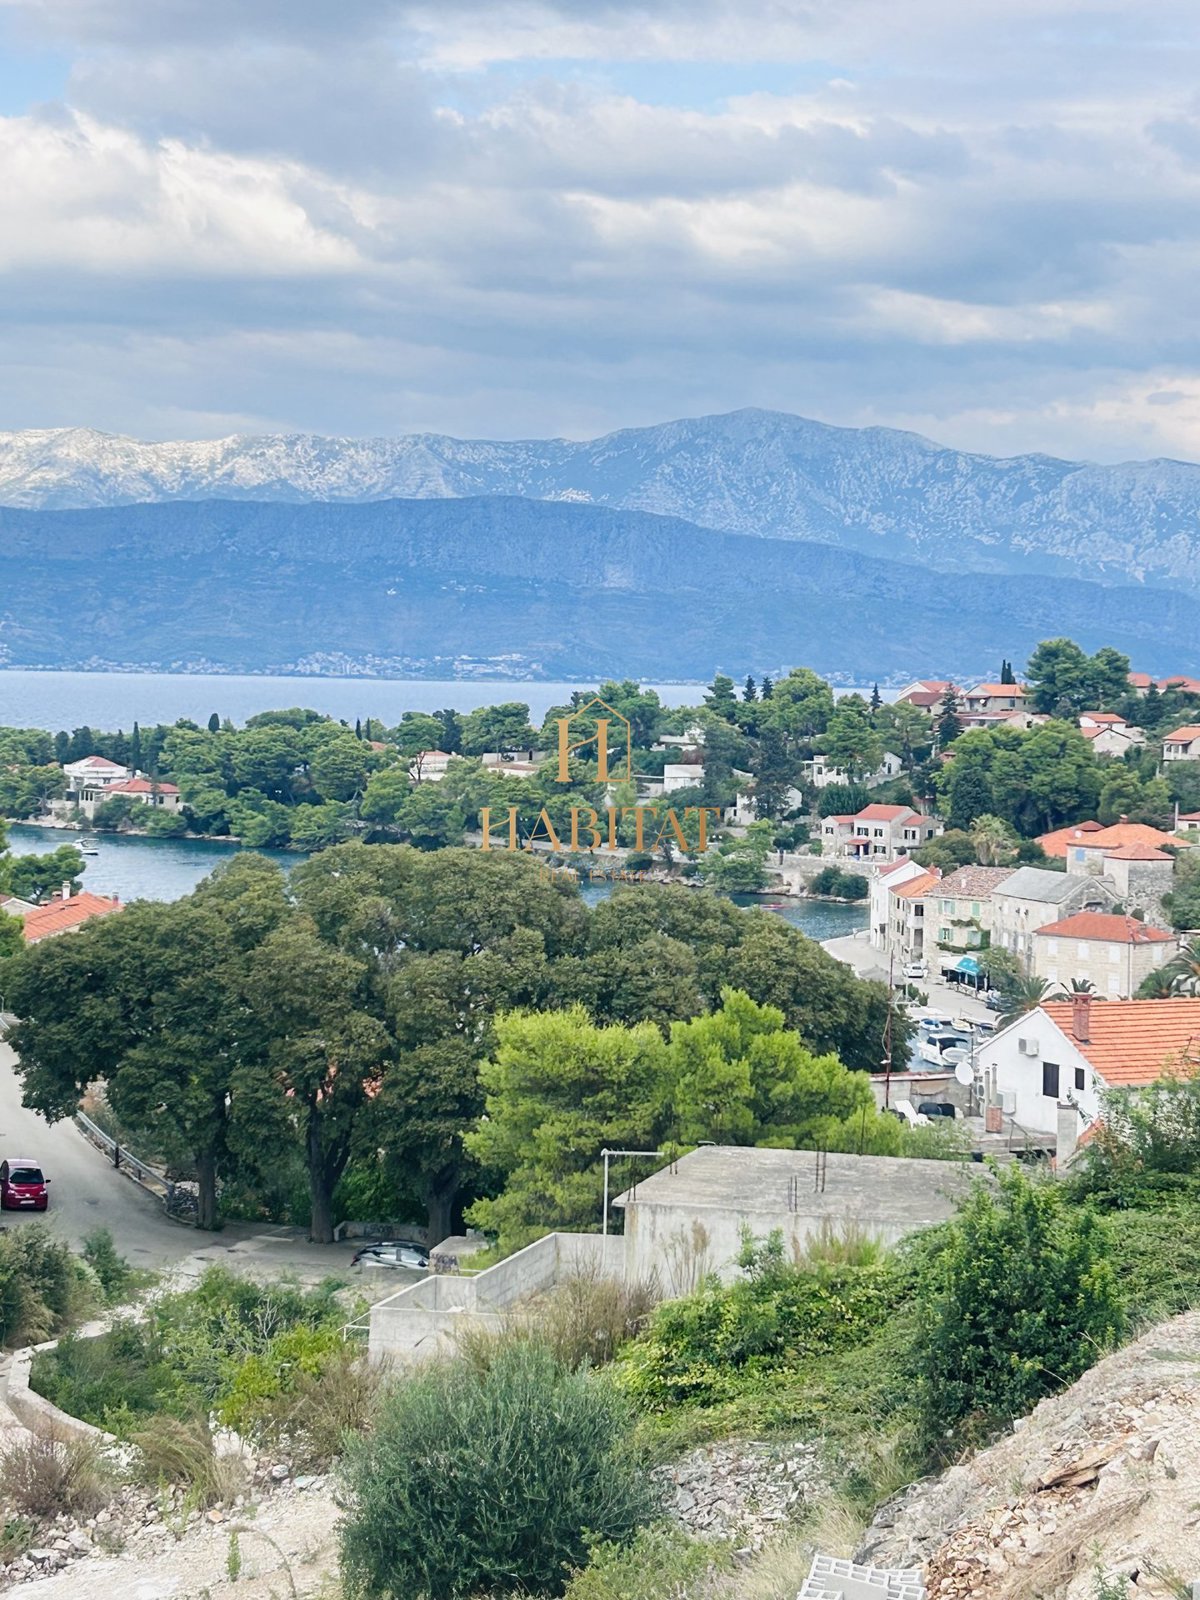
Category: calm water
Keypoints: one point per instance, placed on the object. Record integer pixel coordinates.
(108, 700)
(165, 869)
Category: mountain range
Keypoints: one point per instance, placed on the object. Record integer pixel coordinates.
(872, 491)
(518, 587)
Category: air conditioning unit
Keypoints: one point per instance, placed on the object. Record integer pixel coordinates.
(1008, 1101)
(1028, 1047)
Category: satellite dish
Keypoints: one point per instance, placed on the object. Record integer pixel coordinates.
(963, 1074)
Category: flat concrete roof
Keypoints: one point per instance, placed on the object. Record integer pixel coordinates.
(749, 1180)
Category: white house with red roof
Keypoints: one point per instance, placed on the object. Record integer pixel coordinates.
(993, 700)
(65, 913)
(1188, 822)
(1114, 953)
(1109, 734)
(926, 694)
(883, 880)
(88, 782)
(429, 766)
(1183, 744)
(1065, 1053)
(877, 833)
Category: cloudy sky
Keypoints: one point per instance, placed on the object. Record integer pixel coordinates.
(975, 218)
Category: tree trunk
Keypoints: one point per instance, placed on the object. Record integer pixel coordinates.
(439, 1203)
(320, 1229)
(206, 1183)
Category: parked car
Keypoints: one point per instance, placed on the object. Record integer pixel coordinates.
(22, 1185)
(393, 1253)
(915, 969)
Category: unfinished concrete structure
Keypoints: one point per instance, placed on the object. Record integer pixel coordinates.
(687, 1220)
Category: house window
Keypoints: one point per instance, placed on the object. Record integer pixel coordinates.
(1050, 1080)
(974, 908)
(943, 935)
(1114, 953)
(879, 833)
(1080, 1081)
(1051, 947)
(945, 908)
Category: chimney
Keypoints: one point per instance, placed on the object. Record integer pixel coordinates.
(66, 889)
(1081, 1017)
(1122, 819)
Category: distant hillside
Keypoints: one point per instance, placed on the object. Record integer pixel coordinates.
(563, 590)
(764, 473)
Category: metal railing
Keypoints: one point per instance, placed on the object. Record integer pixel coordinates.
(148, 1177)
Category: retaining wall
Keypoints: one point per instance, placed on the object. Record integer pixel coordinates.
(36, 1412)
(420, 1322)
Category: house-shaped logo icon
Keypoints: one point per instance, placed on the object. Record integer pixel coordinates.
(611, 724)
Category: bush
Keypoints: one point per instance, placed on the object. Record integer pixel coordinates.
(41, 1477)
(1156, 1258)
(1020, 1299)
(271, 1374)
(662, 1563)
(118, 1280)
(841, 885)
(480, 1480)
(182, 1453)
(727, 1339)
(43, 1288)
(311, 1420)
(588, 1317)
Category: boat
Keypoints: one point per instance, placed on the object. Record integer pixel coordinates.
(87, 847)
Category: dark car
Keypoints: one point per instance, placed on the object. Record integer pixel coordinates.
(22, 1185)
(393, 1253)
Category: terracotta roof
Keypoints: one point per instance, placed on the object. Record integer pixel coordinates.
(973, 883)
(1189, 816)
(1135, 1041)
(1137, 852)
(1103, 717)
(1125, 833)
(1055, 844)
(1187, 735)
(1105, 929)
(881, 813)
(995, 690)
(61, 916)
(916, 887)
(905, 861)
(1140, 680)
(143, 786)
(1181, 681)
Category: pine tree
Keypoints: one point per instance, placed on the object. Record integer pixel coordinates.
(358, 733)
(214, 723)
(1007, 675)
(876, 697)
(767, 690)
(948, 728)
(135, 748)
(750, 692)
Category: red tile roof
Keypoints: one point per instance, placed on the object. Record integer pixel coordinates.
(1135, 1042)
(1140, 680)
(1181, 681)
(973, 883)
(1104, 928)
(1189, 816)
(143, 786)
(881, 813)
(62, 916)
(902, 861)
(1103, 717)
(1055, 844)
(1186, 735)
(98, 764)
(996, 690)
(916, 887)
(1126, 833)
(1137, 852)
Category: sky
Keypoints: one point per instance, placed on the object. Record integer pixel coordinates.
(978, 219)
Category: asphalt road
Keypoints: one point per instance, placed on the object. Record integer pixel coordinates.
(87, 1193)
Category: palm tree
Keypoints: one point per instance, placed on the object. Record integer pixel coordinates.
(1185, 969)
(1157, 985)
(1077, 986)
(1023, 995)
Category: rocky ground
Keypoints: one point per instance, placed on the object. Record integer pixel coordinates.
(1101, 1483)
(740, 1490)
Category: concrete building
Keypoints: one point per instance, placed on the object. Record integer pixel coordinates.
(1067, 1052)
(1032, 897)
(883, 880)
(1183, 744)
(429, 766)
(682, 775)
(687, 1220)
(820, 772)
(877, 833)
(1115, 954)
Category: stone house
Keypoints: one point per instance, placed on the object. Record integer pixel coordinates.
(1183, 744)
(1115, 954)
(1032, 897)
(958, 910)
(877, 833)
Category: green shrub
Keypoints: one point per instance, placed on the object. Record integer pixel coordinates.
(489, 1480)
(661, 1563)
(724, 1339)
(272, 1373)
(43, 1287)
(1156, 1258)
(313, 1416)
(589, 1317)
(118, 1280)
(1020, 1299)
(185, 1357)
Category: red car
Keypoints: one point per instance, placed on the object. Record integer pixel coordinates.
(22, 1186)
